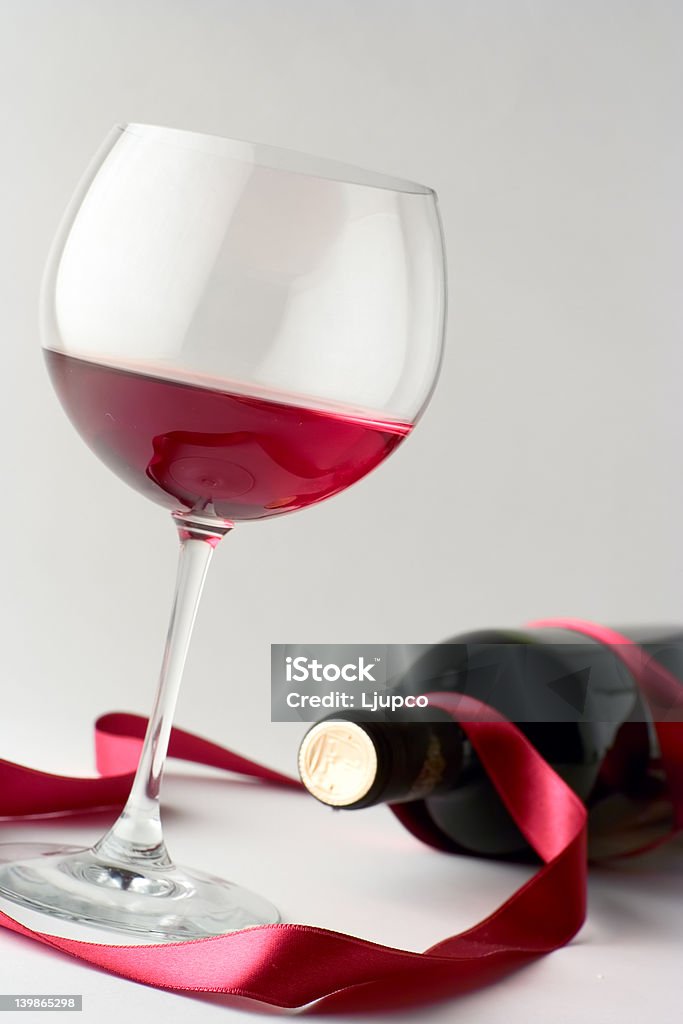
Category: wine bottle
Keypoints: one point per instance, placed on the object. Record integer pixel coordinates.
(575, 702)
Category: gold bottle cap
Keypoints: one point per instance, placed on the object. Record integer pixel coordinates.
(337, 762)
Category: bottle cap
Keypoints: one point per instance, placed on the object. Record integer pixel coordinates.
(338, 762)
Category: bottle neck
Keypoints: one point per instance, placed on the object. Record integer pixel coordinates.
(352, 764)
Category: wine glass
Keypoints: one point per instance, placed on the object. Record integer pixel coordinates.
(237, 331)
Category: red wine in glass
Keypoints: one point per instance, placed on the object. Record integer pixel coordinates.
(197, 447)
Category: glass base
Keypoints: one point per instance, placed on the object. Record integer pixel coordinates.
(79, 892)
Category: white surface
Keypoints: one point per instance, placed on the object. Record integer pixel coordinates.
(364, 874)
(543, 480)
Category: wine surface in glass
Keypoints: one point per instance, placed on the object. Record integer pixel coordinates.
(234, 455)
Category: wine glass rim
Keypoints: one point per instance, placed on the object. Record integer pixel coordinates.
(276, 158)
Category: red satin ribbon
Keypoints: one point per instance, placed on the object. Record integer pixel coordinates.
(292, 965)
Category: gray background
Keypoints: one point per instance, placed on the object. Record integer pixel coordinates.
(543, 480)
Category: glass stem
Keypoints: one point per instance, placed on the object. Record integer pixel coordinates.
(136, 836)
